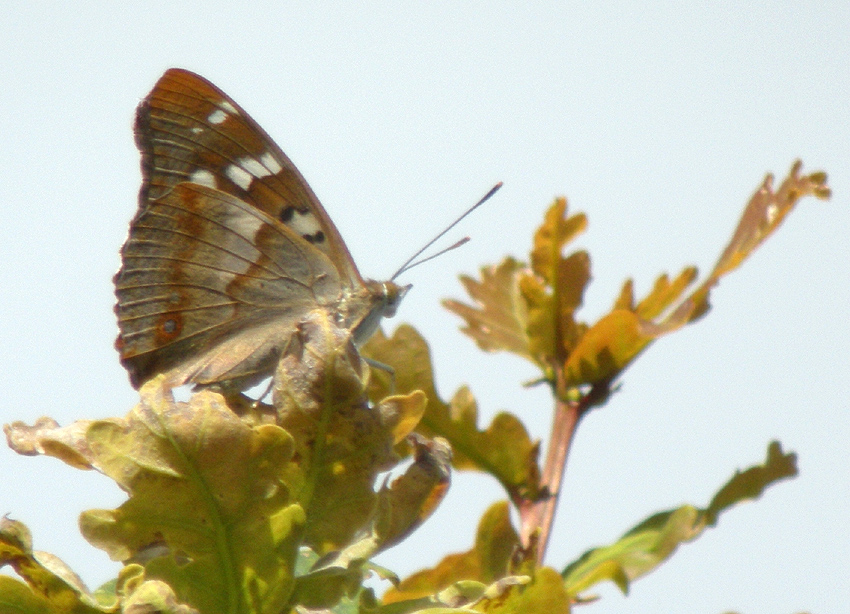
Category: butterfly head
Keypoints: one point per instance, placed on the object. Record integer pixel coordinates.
(374, 301)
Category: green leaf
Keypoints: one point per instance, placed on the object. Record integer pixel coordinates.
(543, 594)
(665, 293)
(153, 596)
(207, 511)
(402, 506)
(486, 562)
(643, 548)
(751, 483)
(504, 450)
(611, 344)
(223, 492)
(51, 586)
(473, 596)
(342, 443)
(552, 328)
(638, 552)
(17, 597)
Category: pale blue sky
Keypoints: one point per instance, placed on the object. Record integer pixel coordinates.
(656, 119)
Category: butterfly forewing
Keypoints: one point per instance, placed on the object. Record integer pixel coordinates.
(190, 131)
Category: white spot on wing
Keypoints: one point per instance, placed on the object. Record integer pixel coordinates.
(203, 177)
(217, 117)
(304, 223)
(197, 129)
(227, 278)
(239, 176)
(269, 161)
(246, 224)
(228, 107)
(254, 167)
(238, 244)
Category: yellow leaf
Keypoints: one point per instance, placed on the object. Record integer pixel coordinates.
(766, 211)
(499, 318)
(413, 496)
(487, 560)
(607, 347)
(551, 237)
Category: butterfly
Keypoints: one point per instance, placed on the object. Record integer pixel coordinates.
(229, 249)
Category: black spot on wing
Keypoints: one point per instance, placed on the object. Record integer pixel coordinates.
(287, 214)
(317, 237)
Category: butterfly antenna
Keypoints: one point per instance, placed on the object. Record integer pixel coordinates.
(411, 262)
(432, 256)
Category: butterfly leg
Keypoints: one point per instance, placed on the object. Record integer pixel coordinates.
(376, 364)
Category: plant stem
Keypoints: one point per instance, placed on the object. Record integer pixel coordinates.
(537, 517)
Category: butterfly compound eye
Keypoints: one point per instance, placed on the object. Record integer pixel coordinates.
(393, 296)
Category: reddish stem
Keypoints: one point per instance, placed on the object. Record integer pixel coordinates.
(538, 516)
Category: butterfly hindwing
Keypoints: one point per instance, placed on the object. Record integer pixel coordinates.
(201, 266)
